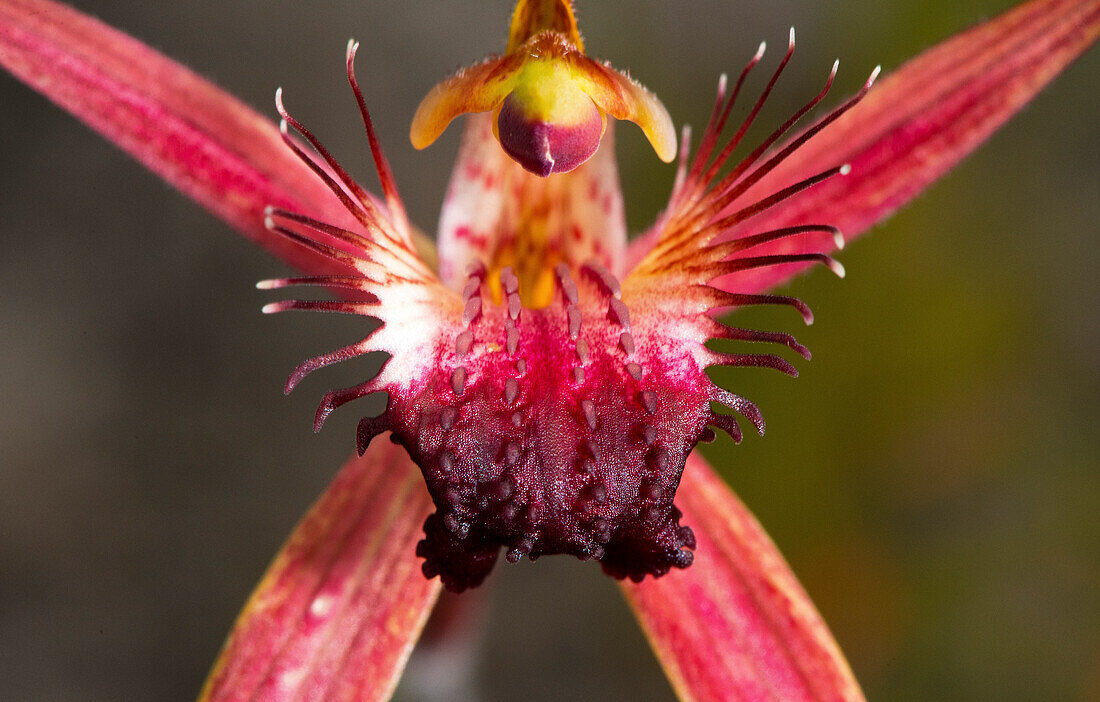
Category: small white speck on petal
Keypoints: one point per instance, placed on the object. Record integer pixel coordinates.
(320, 605)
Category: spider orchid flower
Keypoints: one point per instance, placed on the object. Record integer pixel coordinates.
(547, 381)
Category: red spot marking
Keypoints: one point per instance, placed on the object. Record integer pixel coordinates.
(475, 240)
(479, 241)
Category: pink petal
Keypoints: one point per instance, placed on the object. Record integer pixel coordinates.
(915, 125)
(339, 610)
(201, 140)
(736, 624)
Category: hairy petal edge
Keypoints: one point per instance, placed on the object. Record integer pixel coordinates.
(202, 140)
(919, 121)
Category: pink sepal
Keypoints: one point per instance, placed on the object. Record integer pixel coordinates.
(199, 138)
(737, 625)
(340, 608)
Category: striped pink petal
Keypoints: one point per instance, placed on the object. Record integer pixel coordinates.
(737, 625)
(200, 139)
(340, 608)
(915, 125)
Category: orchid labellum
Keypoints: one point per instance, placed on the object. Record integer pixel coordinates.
(547, 380)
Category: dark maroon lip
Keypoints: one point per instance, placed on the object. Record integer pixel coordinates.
(544, 432)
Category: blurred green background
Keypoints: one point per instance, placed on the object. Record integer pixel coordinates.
(932, 477)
